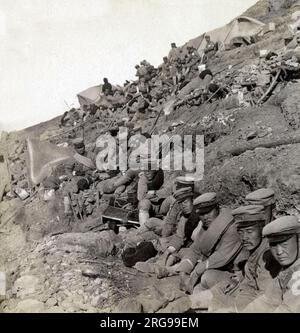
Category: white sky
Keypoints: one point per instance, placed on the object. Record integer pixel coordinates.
(53, 49)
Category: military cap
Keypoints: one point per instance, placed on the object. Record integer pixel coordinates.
(246, 216)
(184, 181)
(281, 229)
(263, 196)
(206, 202)
(78, 142)
(183, 193)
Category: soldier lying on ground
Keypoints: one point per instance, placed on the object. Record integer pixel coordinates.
(118, 183)
(196, 88)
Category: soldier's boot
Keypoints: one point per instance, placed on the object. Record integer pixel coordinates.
(143, 216)
(183, 267)
(171, 260)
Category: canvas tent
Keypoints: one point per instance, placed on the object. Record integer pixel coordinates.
(242, 26)
(95, 96)
(91, 95)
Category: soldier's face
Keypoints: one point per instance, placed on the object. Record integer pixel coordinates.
(285, 252)
(250, 237)
(208, 217)
(187, 206)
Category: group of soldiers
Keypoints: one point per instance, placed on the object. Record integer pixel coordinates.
(243, 259)
(246, 259)
(145, 97)
(181, 66)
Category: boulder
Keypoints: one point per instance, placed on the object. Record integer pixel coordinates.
(30, 306)
(129, 305)
(180, 305)
(25, 286)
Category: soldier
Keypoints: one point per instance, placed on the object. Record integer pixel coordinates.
(260, 267)
(79, 146)
(183, 225)
(282, 294)
(195, 88)
(164, 200)
(150, 181)
(165, 69)
(73, 167)
(264, 197)
(216, 246)
(192, 61)
(174, 59)
(114, 184)
(174, 53)
(210, 49)
(183, 219)
(107, 87)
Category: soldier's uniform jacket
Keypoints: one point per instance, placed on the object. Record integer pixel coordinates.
(178, 229)
(166, 191)
(220, 243)
(259, 269)
(282, 294)
(174, 54)
(144, 185)
(193, 59)
(210, 48)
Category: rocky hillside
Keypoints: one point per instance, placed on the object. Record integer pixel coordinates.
(252, 140)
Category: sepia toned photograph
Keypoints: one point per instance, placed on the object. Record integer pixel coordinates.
(149, 156)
